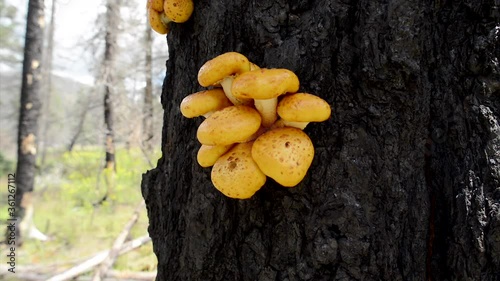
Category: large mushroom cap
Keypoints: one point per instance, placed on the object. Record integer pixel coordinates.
(204, 102)
(178, 10)
(303, 107)
(265, 83)
(227, 64)
(229, 125)
(235, 173)
(284, 154)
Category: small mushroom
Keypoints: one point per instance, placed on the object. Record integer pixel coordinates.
(284, 154)
(236, 174)
(158, 21)
(155, 4)
(222, 70)
(264, 86)
(178, 10)
(208, 154)
(204, 103)
(229, 125)
(297, 110)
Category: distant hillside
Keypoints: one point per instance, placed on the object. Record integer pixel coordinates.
(65, 97)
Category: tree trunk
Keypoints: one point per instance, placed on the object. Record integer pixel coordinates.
(147, 118)
(112, 20)
(405, 180)
(29, 112)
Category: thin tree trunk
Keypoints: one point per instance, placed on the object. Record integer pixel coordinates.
(112, 21)
(147, 118)
(47, 93)
(29, 109)
(405, 180)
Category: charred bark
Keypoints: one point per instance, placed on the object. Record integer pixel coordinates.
(405, 180)
(29, 108)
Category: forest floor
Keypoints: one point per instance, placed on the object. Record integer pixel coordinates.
(67, 188)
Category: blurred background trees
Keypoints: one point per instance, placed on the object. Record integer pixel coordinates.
(70, 142)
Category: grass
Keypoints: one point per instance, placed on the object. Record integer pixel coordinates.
(65, 192)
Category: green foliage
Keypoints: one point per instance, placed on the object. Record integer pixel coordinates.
(6, 166)
(8, 25)
(65, 209)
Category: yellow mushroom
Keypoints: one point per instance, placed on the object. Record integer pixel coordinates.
(178, 10)
(156, 4)
(297, 110)
(264, 86)
(222, 70)
(204, 103)
(229, 125)
(236, 174)
(208, 154)
(284, 154)
(158, 21)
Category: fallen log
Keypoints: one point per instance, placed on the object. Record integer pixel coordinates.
(97, 259)
(117, 244)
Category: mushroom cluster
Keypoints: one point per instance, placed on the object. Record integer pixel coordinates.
(162, 12)
(253, 126)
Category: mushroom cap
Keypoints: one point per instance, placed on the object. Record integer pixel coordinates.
(284, 154)
(200, 103)
(156, 22)
(155, 4)
(178, 10)
(265, 83)
(229, 125)
(227, 64)
(303, 107)
(236, 174)
(208, 154)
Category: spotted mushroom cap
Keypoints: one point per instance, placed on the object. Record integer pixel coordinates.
(178, 10)
(230, 125)
(303, 107)
(236, 174)
(284, 154)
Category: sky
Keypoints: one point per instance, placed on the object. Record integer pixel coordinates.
(75, 23)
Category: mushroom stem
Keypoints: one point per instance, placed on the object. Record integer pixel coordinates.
(226, 84)
(299, 125)
(267, 110)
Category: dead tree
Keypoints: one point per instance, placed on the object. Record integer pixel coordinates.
(28, 119)
(405, 180)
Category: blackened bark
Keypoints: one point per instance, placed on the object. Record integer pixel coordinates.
(30, 105)
(112, 20)
(405, 180)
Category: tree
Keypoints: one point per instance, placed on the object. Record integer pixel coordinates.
(28, 119)
(147, 111)
(405, 180)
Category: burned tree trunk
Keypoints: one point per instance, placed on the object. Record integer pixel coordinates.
(405, 181)
(28, 118)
